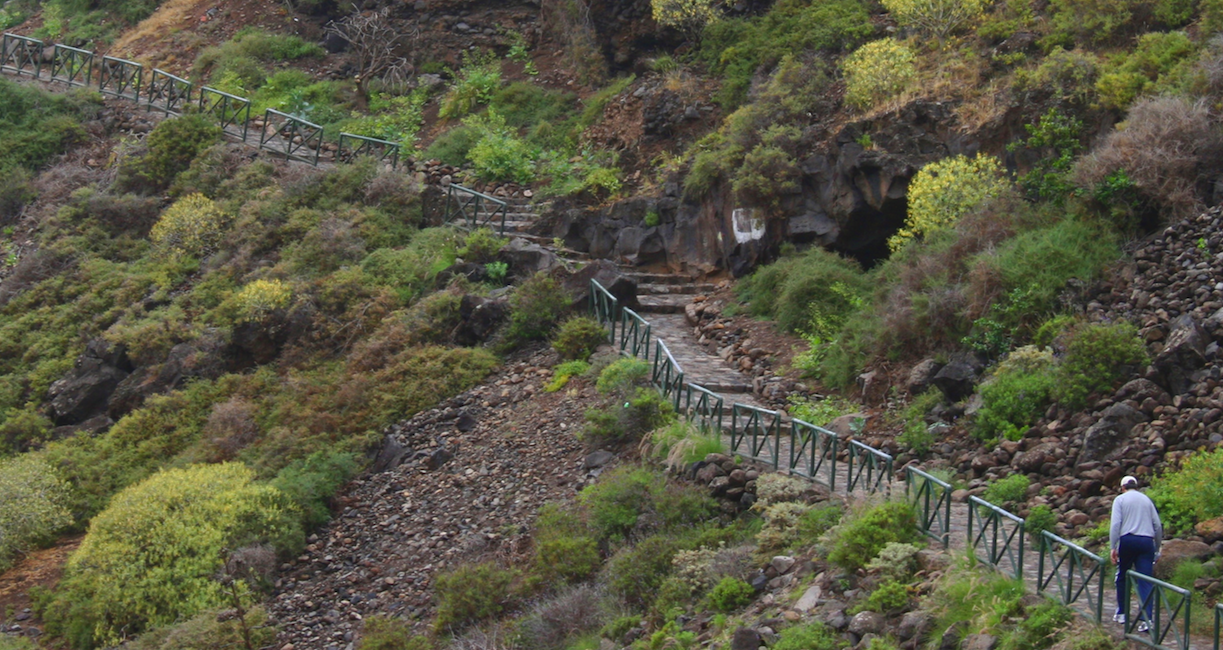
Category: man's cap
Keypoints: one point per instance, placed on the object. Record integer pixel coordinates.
(1129, 481)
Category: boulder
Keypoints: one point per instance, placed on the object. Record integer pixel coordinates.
(1113, 427)
(598, 459)
(957, 380)
(914, 625)
(204, 358)
(809, 599)
(84, 390)
(979, 642)
(864, 623)
(846, 425)
(1140, 390)
(1175, 551)
(390, 456)
(525, 258)
(921, 377)
(1184, 351)
(605, 273)
(1211, 530)
(746, 638)
(478, 318)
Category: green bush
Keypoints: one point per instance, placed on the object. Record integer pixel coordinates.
(172, 145)
(618, 499)
(151, 558)
(917, 437)
(578, 337)
(812, 292)
(877, 72)
(937, 18)
(470, 593)
(1097, 357)
(809, 636)
(1007, 492)
(946, 190)
(1041, 627)
(474, 84)
(623, 376)
(1040, 518)
(1017, 393)
(1157, 55)
(36, 125)
(771, 170)
(1088, 21)
(192, 227)
(637, 572)
(536, 306)
(386, 633)
(729, 594)
(1192, 493)
(562, 373)
(864, 536)
(890, 597)
(618, 423)
(737, 48)
(481, 246)
(35, 501)
(210, 630)
(503, 157)
(565, 560)
(312, 481)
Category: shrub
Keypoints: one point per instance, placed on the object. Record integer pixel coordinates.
(35, 500)
(1040, 518)
(935, 17)
(563, 372)
(771, 170)
(173, 144)
(535, 308)
(623, 376)
(470, 593)
(780, 529)
(257, 300)
(635, 573)
(616, 424)
(1088, 21)
(1007, 492)
(311, 482)
(774, 488)
(210, 630)
(815, 522)
(551, 623)
(503, 157)
(481, 246)
(386, 633)
(1097, 357)
(475, 84)
(1192, 493)
(876, 72)
(152, 556)
(1164, 146)
(690, 16)
(1156, 55)
(1040, 627)
(1016, 394)
(896, 562)
(565, 560)
(944, 191)
(729, 594)
(810, 636)
(865, 535)
(36, 125)
(891, 596)
(578, 337)
(618, 499)
(191, 227)
(814, 292)
(917, 437)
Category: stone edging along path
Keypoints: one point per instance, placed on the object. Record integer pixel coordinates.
(1059, 568)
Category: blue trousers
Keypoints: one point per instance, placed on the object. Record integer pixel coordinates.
(1137, 553)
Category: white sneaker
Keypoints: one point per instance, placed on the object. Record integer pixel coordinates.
(1142, 627)
(1119, 618)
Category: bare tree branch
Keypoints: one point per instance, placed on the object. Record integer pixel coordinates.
(374, 41)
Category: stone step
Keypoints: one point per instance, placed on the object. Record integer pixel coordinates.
(641, 277)
(663, 304)
(675, 289)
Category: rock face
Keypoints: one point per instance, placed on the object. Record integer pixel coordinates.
(525, 259)
(1109, 431)
(606, 274)
(478, 319)
(1183, 352)
(205, 358)
(84, 391)
(958, 378)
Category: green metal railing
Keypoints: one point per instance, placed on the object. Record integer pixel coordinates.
(869, 467)
(761, 429)
(167, 92)
(291, 136)
(989, 529)
(634, 334)
(1170, 607)
(472, 207)
(228, 110)
(605, 308)
(21, 55)
(71, 65)
(811, 449)
(351, 146)
(932, 498)
(705, 407)
(1218, 623)
(120, 78)
(667, 375)
(1077, 573)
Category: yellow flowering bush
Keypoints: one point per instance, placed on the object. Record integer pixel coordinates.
(192, 226)
(685, 15)
(944, 191)
(937, 18)
(257, 300)
(152, 557)
(876, 72)
(34, 506)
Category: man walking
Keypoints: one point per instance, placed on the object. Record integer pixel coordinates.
(1134, 536)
